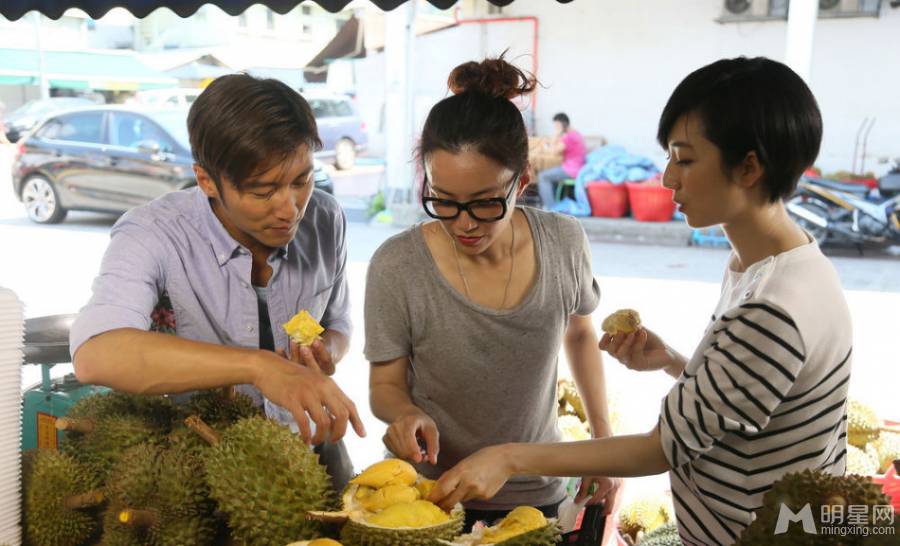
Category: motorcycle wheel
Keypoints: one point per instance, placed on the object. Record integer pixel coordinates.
(819, 233)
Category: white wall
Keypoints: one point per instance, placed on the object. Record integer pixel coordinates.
(612, 65)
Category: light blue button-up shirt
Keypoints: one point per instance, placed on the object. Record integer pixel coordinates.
(176, 245)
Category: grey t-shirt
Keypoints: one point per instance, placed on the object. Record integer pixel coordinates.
(485, 376)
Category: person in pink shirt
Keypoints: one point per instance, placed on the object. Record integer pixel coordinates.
(570, 144)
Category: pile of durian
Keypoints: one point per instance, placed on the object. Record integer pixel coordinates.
(141, 471)
(643, 516)
(130, 472)
(871, 446)
(817, 489)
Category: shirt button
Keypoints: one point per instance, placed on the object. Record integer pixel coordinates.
(249, 328)
(747, 294)
(221, 256)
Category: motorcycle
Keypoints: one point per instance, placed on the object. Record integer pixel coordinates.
(841, 213)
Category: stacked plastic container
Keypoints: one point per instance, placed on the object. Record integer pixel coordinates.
(12, 340)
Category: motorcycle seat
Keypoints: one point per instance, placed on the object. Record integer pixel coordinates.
(858, 189)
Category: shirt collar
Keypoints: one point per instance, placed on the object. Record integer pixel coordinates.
(223, 244)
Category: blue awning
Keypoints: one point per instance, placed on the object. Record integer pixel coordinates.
(14, 9)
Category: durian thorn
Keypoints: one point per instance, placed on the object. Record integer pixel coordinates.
(328, 517)
(84, 426)
(195, 423)
(138, 518)
(84, 500)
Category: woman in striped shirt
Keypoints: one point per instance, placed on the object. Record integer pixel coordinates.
(765, 390)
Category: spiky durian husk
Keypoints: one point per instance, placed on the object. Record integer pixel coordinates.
(357, 533)
(861, 462)
(817, 488)
(666, 535)
(221, 407)
(545, 536)
(112, 436)
(863, 425)
(169, 482)
(644, 515)
(260, 467)
(54, 477)
(102, 405)
(887, 448)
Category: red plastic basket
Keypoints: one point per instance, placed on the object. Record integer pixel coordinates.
(650, 203)
(607, 200)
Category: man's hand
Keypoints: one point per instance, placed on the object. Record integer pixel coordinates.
(402, 438)
(642, 351)
(315, 357)
(303, 390)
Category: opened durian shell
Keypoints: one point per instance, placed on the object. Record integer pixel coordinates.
(547, 534)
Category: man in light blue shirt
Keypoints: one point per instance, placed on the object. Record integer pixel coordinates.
(236, 257)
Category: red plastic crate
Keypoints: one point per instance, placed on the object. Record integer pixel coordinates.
(650, 203)
(607, 200)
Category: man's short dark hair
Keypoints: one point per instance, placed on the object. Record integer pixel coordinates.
(752, 105)
(562, 118)
(241, 125)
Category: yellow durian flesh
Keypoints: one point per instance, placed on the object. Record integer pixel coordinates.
(412, 515)
(388, 496)
(518, 522)
(623, 321)
(387, 472)
(317, 542)
(303, 328)
(424, 485)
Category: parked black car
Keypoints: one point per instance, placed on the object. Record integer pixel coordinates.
(26, 117)
(106, 159)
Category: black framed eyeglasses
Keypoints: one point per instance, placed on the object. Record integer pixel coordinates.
(483, 210)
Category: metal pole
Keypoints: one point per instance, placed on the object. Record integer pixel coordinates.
(801, 27)
(42, 71)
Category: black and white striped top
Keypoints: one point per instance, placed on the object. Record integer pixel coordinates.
(764, 394)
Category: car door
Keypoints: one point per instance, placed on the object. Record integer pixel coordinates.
(328, 125)
(142, 156)
(75, 157)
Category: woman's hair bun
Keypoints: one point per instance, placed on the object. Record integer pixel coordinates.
(493, 77)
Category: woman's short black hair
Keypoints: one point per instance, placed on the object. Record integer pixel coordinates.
(562, 118)
(757, 105)
(241, 125)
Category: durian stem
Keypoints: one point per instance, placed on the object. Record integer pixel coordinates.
(203, 430)
(84, 500)
(84, 426)
(138, 518)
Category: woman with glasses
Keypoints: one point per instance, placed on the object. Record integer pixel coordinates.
(466, 313)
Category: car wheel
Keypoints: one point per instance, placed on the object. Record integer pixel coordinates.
(42, 201)
(344, 154)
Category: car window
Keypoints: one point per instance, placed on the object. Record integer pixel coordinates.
(321, 108)
(342, 108)
(86, 127)
(129, 130)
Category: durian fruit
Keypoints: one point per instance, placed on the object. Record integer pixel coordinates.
(524, 526)
(317, 542)
(572, 429)
(569, 400)
(817, 489)
(887, 447)
(100, 442)
(221, 407)
(665, 535)
(265, 480)
(159, 497)
(303, 328)
(159, 411)
(645, 515)
(385, 506)
(863, 425)
(623, 321)
(861, 462)
(62, 499)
